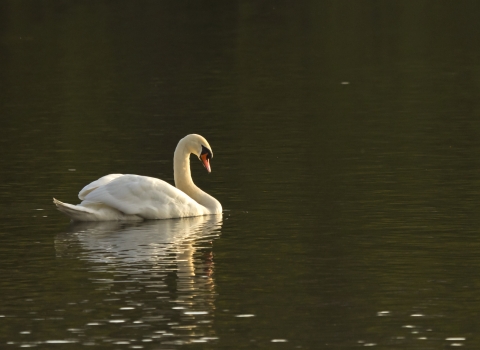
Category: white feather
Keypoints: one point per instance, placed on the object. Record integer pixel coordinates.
(144, 196)
(95, 184)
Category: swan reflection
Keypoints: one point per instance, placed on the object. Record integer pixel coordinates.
(157, 274)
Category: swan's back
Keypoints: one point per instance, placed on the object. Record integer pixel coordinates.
(96, 184)
(143, 196)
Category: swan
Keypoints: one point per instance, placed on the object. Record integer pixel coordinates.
(135, 198)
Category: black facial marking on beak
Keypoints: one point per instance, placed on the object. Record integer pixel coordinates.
(206, 151)
(205, 157)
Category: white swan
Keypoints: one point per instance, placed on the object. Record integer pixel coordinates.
(134, 197)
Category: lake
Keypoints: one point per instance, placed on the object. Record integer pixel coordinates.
(346, 141)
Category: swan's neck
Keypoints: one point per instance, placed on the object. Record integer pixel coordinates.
(184, 182)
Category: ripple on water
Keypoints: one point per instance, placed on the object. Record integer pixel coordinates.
(196, 312)
(128, 272)
(117, 321)
(68, 341)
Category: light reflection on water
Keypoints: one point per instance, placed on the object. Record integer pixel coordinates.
(155, 280)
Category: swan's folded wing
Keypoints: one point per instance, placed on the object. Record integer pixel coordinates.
(144, 196)
(96, 184)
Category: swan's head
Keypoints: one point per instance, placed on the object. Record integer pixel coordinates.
(197, 145)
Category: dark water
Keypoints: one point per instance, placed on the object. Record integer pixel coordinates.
(346, 137)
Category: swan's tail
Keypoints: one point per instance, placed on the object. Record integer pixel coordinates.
(75, 212)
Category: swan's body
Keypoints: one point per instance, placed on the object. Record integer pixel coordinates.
(134, 197)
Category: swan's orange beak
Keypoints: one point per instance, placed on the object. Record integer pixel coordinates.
(206, 162)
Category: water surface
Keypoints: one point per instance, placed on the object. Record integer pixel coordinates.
(346, 157)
